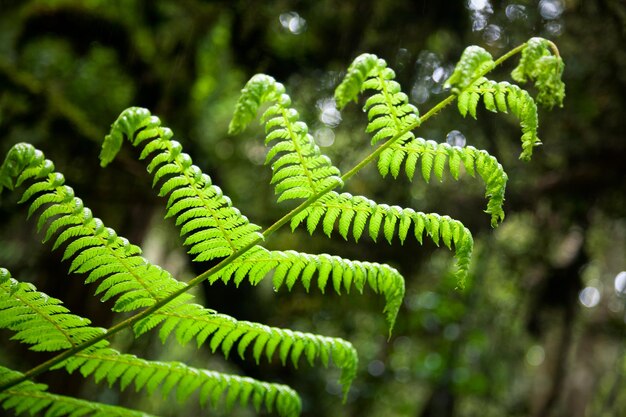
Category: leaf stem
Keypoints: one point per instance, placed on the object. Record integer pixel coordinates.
(129, 322)
(554, 48)
(509, 54)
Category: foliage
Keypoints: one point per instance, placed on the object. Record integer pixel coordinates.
(214, 230)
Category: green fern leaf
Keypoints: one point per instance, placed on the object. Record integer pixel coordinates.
(192, 320)
(23, 161)
(212, 228)
(396, 162)
(192, 194)
(513, 100)
(490, 102)
(376, 220)
(54, 180)
(295, 265)
(136, 283)
(391, 218)
(389, 113)
(463, 102)
(410, 164)
(59, 195)
(355, 77)
(325, 270)
(299, 170)
(405, 225)
(540, 65)
(384, 162)
(432, 227)
(313, 219)
(474, 63)
(44, 323)
(64, 222)
(500, 97)
(365, 209)
(537, 63)
(343, 355)
(501, 91)
(85, 232)
(329, 220)
(260, 89)
(363, 212)
(454, 163)
(474, 98)
(344, 222)
(123, 127)
(33, 398)
(428, 157)
(39, 320)
(439, 163)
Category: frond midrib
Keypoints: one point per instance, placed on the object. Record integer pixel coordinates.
(294, 140)
(130, 270)
(213, 212)
(389, 102)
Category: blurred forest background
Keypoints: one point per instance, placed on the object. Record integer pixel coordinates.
(539, 331)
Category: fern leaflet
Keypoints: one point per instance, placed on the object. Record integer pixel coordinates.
(219, 229)
(361, 214)
(473, 64)
(501, 97)
(96, 250)
(433, 158)
(289, 266)
(33, 398)
(191, 321)
(388, 111)
(299, 169)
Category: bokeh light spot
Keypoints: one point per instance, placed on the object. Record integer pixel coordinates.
(589, 297)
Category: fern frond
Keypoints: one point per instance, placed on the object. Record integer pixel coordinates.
(290, 266)
(539, 65)
(220, 331)
(388, 111)
(44, 323)
(39, 320)
(502, 97)
(33, 398)
(351, 86)
(191, 193)
(97, 251)
(358, 214)
(473, 64)
(22, 162)
(258, 90)
(112, 366)
(434, 158)
(299, 169)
